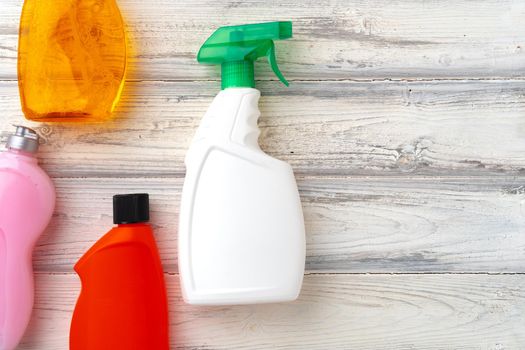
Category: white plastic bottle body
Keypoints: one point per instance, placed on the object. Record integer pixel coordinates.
(241, 229)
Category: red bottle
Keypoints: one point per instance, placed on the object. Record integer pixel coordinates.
(123, 303)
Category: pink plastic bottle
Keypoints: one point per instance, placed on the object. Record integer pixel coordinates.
(27, 200)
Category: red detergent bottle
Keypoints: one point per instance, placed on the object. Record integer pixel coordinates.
(123, 302)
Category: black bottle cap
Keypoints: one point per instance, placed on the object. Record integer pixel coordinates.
(130, 208)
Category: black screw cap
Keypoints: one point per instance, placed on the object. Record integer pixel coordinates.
(130, 208)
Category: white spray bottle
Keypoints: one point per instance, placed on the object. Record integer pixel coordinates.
(241, 230)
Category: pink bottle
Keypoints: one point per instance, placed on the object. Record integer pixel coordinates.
(27, 200)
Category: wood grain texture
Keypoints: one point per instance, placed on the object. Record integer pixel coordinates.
(356, 224)
(320, 128)
(405, 125)
(333, 39)
(333, 312)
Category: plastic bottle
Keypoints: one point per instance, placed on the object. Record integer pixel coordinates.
(241, 232)
(71, 59)
(123, 303)
(27, 200)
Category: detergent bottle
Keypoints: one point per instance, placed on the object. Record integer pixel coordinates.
(27, 200)
(71, 59)
(241, 228)
(123, 303)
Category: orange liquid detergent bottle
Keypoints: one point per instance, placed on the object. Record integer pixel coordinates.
(71, 59)
(123, 303)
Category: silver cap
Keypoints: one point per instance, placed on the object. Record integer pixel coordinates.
(24, 139)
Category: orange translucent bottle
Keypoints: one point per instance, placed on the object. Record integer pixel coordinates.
(71, 59)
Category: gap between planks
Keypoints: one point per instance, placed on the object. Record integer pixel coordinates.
(299, 177)
(324, 273)
(334, 80)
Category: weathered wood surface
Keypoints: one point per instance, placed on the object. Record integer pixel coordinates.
(333, 312)
(333, 39)
(405, 125)
(356, 224)
(321, 128)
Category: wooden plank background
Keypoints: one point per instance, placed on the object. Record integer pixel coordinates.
(405, 125)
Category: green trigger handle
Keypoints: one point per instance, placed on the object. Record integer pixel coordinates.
(236, 48)
(273, 63)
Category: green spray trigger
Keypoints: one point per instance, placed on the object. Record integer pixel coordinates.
(236, 48)
(275, 67)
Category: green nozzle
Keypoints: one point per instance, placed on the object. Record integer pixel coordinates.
(236, 48)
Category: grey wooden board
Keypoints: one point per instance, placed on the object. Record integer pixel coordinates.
(333, 39)
(358, 224)
(334, 312)
(404, 125)
(320, 128)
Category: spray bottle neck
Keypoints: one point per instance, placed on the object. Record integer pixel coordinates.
(237, 74)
